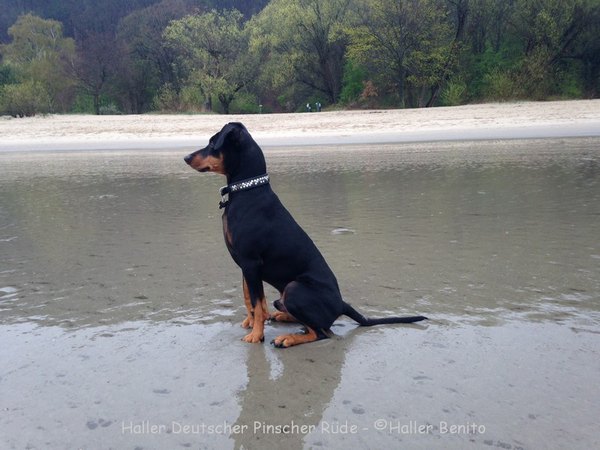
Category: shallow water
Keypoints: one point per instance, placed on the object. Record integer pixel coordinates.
(119, 305)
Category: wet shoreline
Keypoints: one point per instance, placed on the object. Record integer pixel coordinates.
(120, 307)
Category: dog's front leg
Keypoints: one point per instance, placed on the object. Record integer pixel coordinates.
(248, 322)
(256, 303)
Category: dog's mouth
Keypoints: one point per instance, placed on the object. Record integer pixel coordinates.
(205, 164)
(198, 165)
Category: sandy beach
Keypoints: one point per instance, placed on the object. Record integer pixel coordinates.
(472, 122)
(120, 307)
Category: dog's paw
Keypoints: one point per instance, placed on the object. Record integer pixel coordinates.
(279, 316)
(254, 338)
(247, 323)
(280, 342)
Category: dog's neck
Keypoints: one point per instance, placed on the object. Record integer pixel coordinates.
(242, 185)
(246, 162)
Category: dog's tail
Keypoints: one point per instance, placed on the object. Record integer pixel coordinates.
(368, 322)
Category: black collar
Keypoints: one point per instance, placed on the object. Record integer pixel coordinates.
(243, 185)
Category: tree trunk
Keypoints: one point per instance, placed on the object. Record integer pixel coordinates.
(401, 86)
(225, 101)
(96, 97)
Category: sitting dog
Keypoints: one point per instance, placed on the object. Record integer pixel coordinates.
(268, 245)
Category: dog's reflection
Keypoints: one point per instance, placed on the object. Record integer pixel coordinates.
(288, 391)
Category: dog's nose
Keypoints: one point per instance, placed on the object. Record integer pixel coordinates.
(188, 158)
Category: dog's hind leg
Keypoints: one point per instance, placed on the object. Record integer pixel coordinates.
(279, 316)
(282, 314)
(297, 302)
(289, 340)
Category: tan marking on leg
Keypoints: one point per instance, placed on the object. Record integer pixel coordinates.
(289, 340)
(258, 331)
(280, 316)
(265, 308)
(249, 320)
(226, 232)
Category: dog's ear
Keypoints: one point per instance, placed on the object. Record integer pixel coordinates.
(229, 136)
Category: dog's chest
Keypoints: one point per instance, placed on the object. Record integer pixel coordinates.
(227, 232)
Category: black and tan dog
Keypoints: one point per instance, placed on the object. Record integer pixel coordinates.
(268, 245)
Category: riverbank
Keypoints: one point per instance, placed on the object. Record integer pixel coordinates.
(471, 122)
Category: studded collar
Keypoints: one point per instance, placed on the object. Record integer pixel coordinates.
(243, 185)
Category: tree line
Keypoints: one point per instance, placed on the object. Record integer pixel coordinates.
(138, 56)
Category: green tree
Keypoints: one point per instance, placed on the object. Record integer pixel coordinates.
(447, 56)
(213, 54)
(97, 66)
(531, 49)
(487, 24)
(354, 79)
(489, 52)
(39, 53)
(403, 40)
(148, 63)
(7, 75)
(302, 43)
(550, 30)
(24, 99)
(586, 51)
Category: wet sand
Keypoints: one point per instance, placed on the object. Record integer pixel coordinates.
(120, 308)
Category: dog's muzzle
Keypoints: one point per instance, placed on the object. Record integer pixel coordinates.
(188, 158)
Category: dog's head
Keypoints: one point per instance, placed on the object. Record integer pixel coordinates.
(231, 152)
